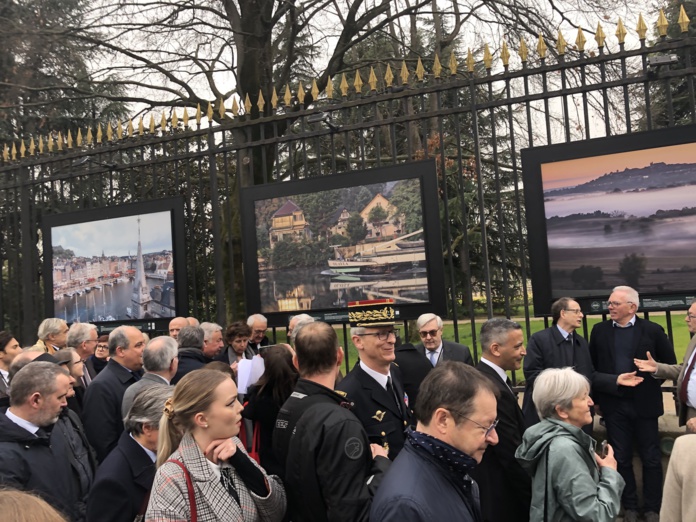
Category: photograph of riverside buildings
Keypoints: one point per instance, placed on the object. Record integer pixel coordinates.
(114, 269)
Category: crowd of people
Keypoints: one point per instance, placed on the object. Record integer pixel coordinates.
(127, 428)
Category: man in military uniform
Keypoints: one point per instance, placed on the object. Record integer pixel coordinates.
(331, 469)
(374, 385)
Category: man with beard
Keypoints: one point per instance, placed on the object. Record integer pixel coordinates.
(28, 459)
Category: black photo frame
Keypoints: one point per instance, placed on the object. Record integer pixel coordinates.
(613, 211)
(288, 294)
(93, 274)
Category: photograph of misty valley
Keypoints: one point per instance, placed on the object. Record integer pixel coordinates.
(626, 218)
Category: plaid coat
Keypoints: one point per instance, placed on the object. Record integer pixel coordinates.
(169, 500)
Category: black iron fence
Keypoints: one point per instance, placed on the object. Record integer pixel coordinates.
(473, 115)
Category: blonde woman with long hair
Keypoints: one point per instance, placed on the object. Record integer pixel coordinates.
(204, 473)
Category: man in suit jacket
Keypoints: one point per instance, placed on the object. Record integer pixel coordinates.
(434, 347)
(629, 403)
(9, 349)
(123, 481)
(83, 338)
(414, 366)
(686, 392)
(258, 325)
(160, 361)
(101, 412)
(506, 488)
(374, 384)
(556, 347)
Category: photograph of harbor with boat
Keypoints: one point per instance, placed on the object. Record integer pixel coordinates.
(321, 250)
(114, 269)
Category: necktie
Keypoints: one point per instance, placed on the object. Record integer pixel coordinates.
(509, 385)
(683, 395)
(86, 379)
(433, 357)
(390, 389)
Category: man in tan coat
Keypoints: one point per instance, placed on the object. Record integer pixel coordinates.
(683, 374)
(678, 501)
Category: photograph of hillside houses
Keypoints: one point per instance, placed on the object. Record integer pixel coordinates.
(323, 249)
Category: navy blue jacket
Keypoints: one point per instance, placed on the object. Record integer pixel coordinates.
(122, 484)
(189, 359)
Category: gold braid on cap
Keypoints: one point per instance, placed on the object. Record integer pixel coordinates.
(168, 409)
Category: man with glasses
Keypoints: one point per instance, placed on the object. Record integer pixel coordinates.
(434, 347)
(258, 324)
(374, 384)
(83, 338)
(430, 479)
(506, 488)
(559, 346)
(102, 409)
(629, 403)
(682, 373)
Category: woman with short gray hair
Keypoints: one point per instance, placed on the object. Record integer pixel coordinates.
(570, 481)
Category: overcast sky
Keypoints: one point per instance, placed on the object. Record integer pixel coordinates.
(116, 237)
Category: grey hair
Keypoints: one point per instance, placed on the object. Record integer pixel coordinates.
(191, 337)
(118, 338)
(426, 318)
(50, 326)
(302, 320)
(35, 377)
(256, 317)
(631, 294)
(496, 330)
(79, 333)
(357, 330)
(209, 329)
(159, 354)
(557, 387)
(147, 408)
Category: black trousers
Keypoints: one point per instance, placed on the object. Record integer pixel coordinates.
(624, 428)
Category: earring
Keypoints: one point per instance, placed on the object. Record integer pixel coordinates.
(205, 425)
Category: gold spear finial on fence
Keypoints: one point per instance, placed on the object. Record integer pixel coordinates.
(561, 44)
(343, 85)
(209, 113)
(372, 80)
(288, 95)
(453, 64)
(14, 152)
(109, 132)
(599, 36)
(32, 147)
(470, 64)
(315, 90)
(621, 31)
(274, 99)
(130, 128)
(235, 107)
(301, 93)
(22, 149)
(247, 104)
(580, 40)
(99, 133)
(404, 73)
(70, 140)
(662, 24)
(260, 103)
(420, 70)
(358, 83)
(141, 127)
(523, 50)
(5, 153)
(541, 47)
(487, 57)
(221, 109)
(41, 145)
(119, 130)
(641, 28)
(79, 137)
(505, 54)
(175, 120)
(437, 67)
(90, 136)
(59, 142)
(388, 76)
(329, 88)
(152, 128)
(49, 143)
(683, 20)
(198, 114)
(163, 122)
(185, 118)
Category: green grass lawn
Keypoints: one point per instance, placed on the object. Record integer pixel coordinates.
(679, 331)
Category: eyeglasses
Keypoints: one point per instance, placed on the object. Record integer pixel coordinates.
(574, 310)
(487, 430)
(382, 336)
(102, 347)
(431, 333)
(617, 303)
(690, 316)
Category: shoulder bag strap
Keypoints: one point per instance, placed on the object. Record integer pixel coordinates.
(189, 487)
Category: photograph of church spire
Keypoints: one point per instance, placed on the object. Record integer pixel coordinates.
(114, 269)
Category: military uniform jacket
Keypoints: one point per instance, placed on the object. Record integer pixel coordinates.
(330, 474)
(384, 422)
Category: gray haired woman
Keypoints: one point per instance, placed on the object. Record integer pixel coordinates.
(570, 481)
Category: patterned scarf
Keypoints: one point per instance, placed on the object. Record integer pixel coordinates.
(457, 463)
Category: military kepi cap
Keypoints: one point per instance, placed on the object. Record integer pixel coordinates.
(372, 313)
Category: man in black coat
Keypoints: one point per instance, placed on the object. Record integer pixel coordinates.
(630, 403)
(506, 488)
(559, 346)
(101, 412)
(374, 384)
(191, 354)
(414, 366)
(434, 347)
(123, 482)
